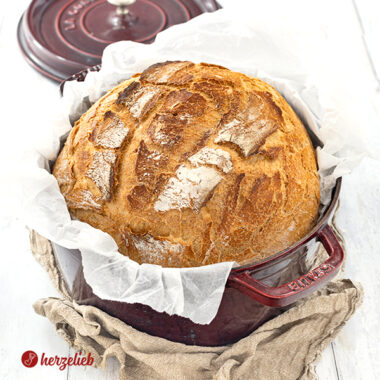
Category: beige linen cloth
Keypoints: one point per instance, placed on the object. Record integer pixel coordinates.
(284, 348)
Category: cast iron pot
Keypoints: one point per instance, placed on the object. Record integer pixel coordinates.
(254, 293)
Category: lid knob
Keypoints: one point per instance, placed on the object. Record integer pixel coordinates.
(122, 6)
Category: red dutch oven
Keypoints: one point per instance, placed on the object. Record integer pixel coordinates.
(254, 293)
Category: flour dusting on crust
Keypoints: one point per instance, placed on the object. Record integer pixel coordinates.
(101, 171)
(144, 99)
(250, 126)
(163, 73)
(153, 250)
(190, 188)
(217, 157)
(139, 99)
(83, 199)
(62, 174)
(164, 77)
(113, 135)
(248, 138)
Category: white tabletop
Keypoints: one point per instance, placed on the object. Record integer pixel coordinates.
(354, 355)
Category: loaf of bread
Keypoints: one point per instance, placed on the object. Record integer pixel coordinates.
(192, 164)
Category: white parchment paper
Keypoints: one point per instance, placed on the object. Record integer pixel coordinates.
(225, 38)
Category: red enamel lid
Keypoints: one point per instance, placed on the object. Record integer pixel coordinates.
(62, 37)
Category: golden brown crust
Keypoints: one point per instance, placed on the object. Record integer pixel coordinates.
(192, 164)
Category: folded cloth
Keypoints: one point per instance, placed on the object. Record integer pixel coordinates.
(286, 347)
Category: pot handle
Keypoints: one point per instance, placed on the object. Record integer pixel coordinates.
(292, 291)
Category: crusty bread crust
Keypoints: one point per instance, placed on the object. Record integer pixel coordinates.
(192, 164)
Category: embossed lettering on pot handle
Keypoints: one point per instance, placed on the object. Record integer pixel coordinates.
(291, 292)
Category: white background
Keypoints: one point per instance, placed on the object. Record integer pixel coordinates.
(25, 94)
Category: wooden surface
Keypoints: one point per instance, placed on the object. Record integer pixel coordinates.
(354, 355)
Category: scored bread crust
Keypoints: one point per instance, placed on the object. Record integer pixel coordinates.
(192, 164)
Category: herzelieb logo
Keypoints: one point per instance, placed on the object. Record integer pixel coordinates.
(30, 359)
